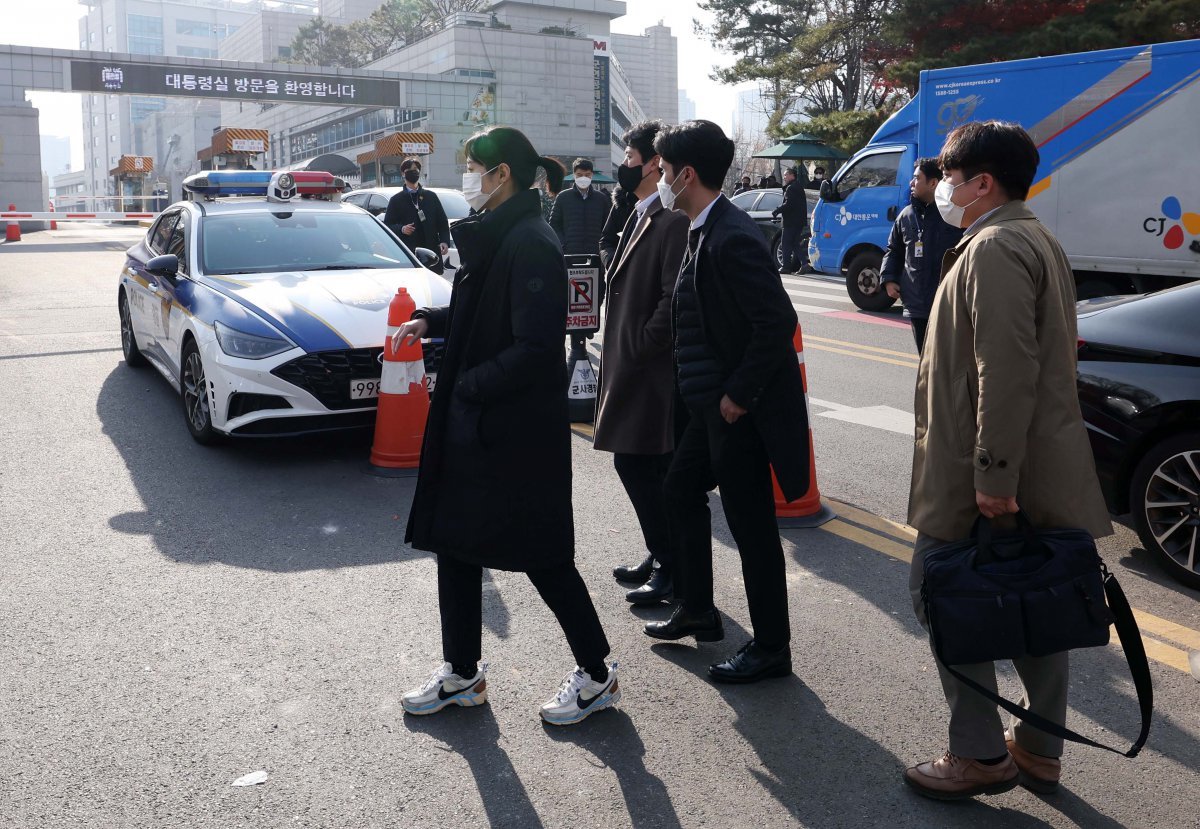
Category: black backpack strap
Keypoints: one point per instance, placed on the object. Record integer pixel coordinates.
(1135, 655)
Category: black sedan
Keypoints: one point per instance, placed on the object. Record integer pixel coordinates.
(760, 203)
(1139, 387)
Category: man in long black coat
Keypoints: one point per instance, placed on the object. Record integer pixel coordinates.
(794, 211)
(737, 374)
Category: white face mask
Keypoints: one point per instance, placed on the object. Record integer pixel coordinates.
(952, 214)
(583, 182)
(666, 195)
(472, 189)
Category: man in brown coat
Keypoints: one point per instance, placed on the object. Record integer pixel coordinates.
(998, 427)
(635, 416)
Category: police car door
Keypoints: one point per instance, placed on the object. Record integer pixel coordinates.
(144, 298)
(174, 295)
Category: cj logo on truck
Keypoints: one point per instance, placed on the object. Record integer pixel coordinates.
(956, 113)
(1173, 236)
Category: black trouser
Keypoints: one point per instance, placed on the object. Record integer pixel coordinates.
(919, 324)
(791, 248)
(713, 453)
(643, 477)
(460, 602)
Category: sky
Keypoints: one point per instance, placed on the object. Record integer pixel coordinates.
(55, 24)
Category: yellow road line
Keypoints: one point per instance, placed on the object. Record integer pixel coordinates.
(903, 532)
(860, 354)
(1168, 629)
(908, 355)
(1156, 650)
(1167, 655)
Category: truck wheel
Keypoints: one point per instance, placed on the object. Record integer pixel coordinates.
(864, 283)
(1166, 509)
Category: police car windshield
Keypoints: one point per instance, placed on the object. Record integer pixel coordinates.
(270, 242)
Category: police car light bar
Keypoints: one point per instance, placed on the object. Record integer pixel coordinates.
(276, 186)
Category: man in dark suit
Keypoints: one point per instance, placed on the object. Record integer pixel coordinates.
(737, 376)
(794, 211)
(416, 215)
(635, 418)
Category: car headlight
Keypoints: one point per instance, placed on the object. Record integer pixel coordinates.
(249, 346)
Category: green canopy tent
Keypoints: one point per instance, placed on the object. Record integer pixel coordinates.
(803, 147)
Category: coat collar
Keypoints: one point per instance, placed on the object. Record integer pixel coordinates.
(720, 206)
(1015, 210)
(652, 211)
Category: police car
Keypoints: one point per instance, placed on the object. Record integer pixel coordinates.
(263, 300)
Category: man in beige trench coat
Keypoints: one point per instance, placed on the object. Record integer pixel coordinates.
(635, 418)
(998, 427)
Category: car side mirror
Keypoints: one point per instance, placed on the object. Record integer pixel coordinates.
(428, 258)
(828, 191)
(165, 266)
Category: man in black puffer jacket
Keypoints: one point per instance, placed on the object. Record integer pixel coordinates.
(580, 212)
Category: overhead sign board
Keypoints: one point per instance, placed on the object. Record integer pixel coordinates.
(214, 81)
(248, 145)
(416, 148)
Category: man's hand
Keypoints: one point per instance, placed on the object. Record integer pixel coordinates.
(993, 506)
(730, 411)
(408, 230)
(445, 248)
(893, 290)
(409, 333)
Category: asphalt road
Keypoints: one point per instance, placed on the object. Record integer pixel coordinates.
(173, 617)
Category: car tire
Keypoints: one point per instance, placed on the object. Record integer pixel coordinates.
(193, 391)
(777, 252)
(865, 284)
(129, 347)
(1163, 476)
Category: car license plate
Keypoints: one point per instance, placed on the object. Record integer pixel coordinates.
(364, 389)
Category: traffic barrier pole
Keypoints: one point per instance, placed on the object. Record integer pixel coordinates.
(807, 511)
(12, 232)
(403, 400)
(53, 224)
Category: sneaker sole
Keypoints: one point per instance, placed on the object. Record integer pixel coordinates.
(599, 705)
(934, 794)
(463, 701)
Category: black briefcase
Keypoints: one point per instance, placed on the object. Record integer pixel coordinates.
(1030, 593)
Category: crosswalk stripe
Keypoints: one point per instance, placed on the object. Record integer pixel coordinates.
(814, 295)
(813, 283)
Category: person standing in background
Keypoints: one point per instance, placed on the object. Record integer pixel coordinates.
(635, 418)
(580, 212)
(793, 252)
(416, 214)
(912, 264)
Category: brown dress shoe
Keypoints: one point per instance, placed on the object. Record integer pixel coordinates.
(954, 778)
(1036, 773)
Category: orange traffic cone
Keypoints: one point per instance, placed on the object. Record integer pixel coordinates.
(12, 233)
(807, 511)
(403, 400)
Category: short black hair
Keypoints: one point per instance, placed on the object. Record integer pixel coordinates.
(507, 145)
(930, 167)
(641, 138)
(790, 171)
(997, 147)
(818, 169)
(701, 145)
(411, 161)
(583, 164)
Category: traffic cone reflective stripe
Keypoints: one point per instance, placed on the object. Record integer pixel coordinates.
(403, 399)
(807, 511)
(12, 231)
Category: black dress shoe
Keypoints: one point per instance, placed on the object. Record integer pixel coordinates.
(706, 627)
(752, 663)
(638, 573)
(655, 591)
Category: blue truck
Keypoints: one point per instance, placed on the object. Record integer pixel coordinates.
(1119, 182)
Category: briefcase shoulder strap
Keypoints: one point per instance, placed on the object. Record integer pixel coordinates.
(1135, 655)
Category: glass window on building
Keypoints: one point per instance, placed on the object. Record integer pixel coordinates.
(145, 34)
(195, 52)
(194, 28)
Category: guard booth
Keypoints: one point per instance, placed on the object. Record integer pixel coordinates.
(129, 181)
(381, 166)
(234, 148)
(584, 272)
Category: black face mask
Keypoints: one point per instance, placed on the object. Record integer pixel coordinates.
(629, 177)
(412, 176)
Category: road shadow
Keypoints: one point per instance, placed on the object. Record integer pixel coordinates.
(613, 738)
(474, 735)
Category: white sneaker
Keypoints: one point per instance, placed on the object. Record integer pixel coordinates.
(444, 687)
(580, 697)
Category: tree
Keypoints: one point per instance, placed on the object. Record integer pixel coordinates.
(930, 34)
(820, 55)
(321, 43)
